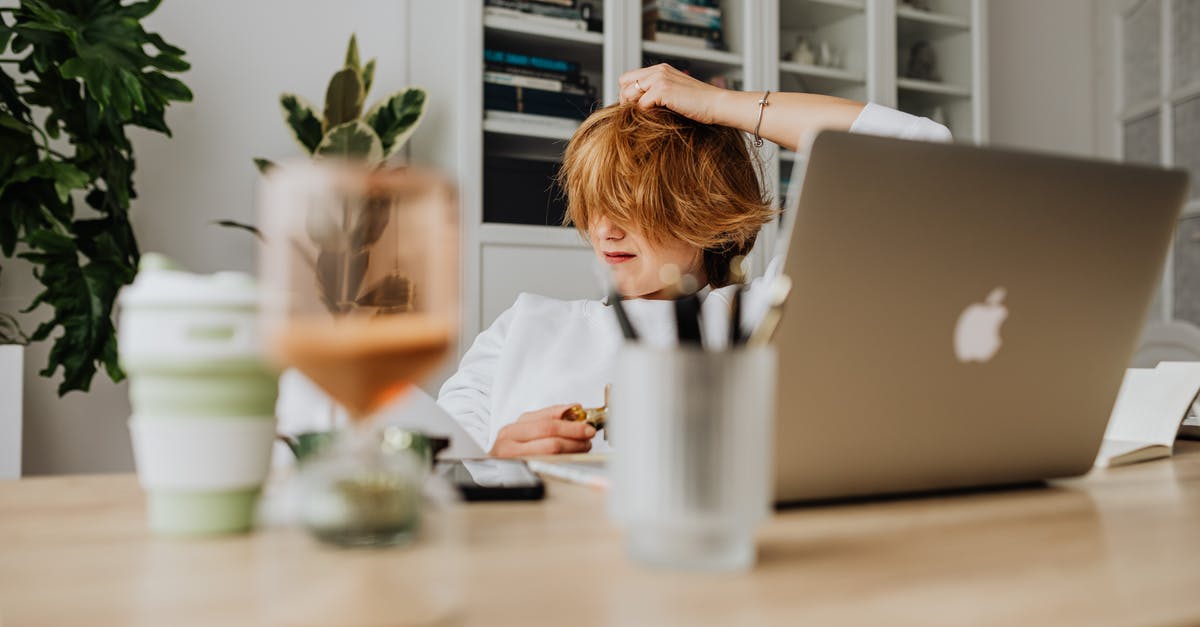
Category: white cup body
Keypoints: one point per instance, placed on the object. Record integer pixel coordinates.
(691, 462)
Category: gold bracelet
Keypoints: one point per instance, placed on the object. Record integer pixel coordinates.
(758, 141)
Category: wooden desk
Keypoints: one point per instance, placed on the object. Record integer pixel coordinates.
(1119, 547)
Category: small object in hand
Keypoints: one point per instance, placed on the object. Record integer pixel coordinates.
(595, 416)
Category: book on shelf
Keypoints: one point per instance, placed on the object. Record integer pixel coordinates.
(686, 41)
(498, 91)
(583, 11)
(580, 80)
(681, 13)
(683, 35)
(535, 82)
(555, 122)
(532, 18)
(568, 70)
(537, 108)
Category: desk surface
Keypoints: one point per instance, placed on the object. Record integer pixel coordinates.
(1121, 546)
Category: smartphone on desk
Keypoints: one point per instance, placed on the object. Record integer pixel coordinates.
(493, 479)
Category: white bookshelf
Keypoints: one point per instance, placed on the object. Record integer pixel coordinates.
(500, 260)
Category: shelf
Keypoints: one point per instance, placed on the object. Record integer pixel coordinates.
(1186, 92)
(817, 71)
(525, 27)
(808, 14)
(930, 87)
(952, 22)
(852, 5)
(1140, 110)
(526, 235)
(528, 129)
(715, 57)
(516, 35)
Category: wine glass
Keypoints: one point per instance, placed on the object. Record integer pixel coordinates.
(360, 293)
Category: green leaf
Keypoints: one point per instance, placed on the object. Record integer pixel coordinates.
(89, 71)
(263, 165)
(138, 10)
(396, 117)
(368, 77)
(343, 99)
(352, 61)
(81, 292)
(6, 33)
(301, 117)
(352, 140)
(233, 224)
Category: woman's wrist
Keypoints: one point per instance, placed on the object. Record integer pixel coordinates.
(737, 109)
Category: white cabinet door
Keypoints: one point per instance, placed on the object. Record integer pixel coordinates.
(506, 271)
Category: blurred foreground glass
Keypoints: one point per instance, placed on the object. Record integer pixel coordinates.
(360, 293)
(691, 460)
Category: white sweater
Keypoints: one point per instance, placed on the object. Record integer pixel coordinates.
(543, 351)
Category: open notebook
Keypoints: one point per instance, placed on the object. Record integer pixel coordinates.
(1149, 409)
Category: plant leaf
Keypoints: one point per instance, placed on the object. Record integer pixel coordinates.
(264, 165)
(90, 71)
(343, 99)
(331, 278)
(233, 224)
(352, 140)
(368, 77)
(352, 54)
(10, 330)
(396, 117)
(301, 117)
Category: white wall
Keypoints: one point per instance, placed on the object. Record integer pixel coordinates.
(243, 54)
(1042, 75)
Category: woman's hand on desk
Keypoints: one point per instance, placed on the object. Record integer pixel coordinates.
(543, 432)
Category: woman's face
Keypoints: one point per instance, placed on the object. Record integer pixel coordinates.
(637, 264)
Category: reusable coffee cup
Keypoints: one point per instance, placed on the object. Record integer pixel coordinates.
(203, 397)
(691, 460)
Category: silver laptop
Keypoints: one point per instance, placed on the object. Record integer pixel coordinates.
(960, 316)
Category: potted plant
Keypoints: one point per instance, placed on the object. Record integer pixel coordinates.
(12, 353)
(344, 130)
(74, 76)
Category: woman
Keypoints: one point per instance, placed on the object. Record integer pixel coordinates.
(662, 180)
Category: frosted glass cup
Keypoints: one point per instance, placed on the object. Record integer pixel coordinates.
(691, 461)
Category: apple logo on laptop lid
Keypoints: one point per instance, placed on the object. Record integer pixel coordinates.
(977, 334)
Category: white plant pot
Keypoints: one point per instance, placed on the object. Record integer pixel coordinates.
(12, 363)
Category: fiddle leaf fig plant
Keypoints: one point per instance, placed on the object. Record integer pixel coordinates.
(342, 130)
(74, 76)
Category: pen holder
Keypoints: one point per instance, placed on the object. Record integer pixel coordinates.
(691, 461)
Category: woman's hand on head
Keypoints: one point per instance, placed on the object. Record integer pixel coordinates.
(664, 86)
(543, 432)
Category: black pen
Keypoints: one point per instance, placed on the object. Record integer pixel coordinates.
(687, 319)
(627, 329)
(735, 318)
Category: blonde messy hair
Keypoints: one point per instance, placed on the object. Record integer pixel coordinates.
(664, 176)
